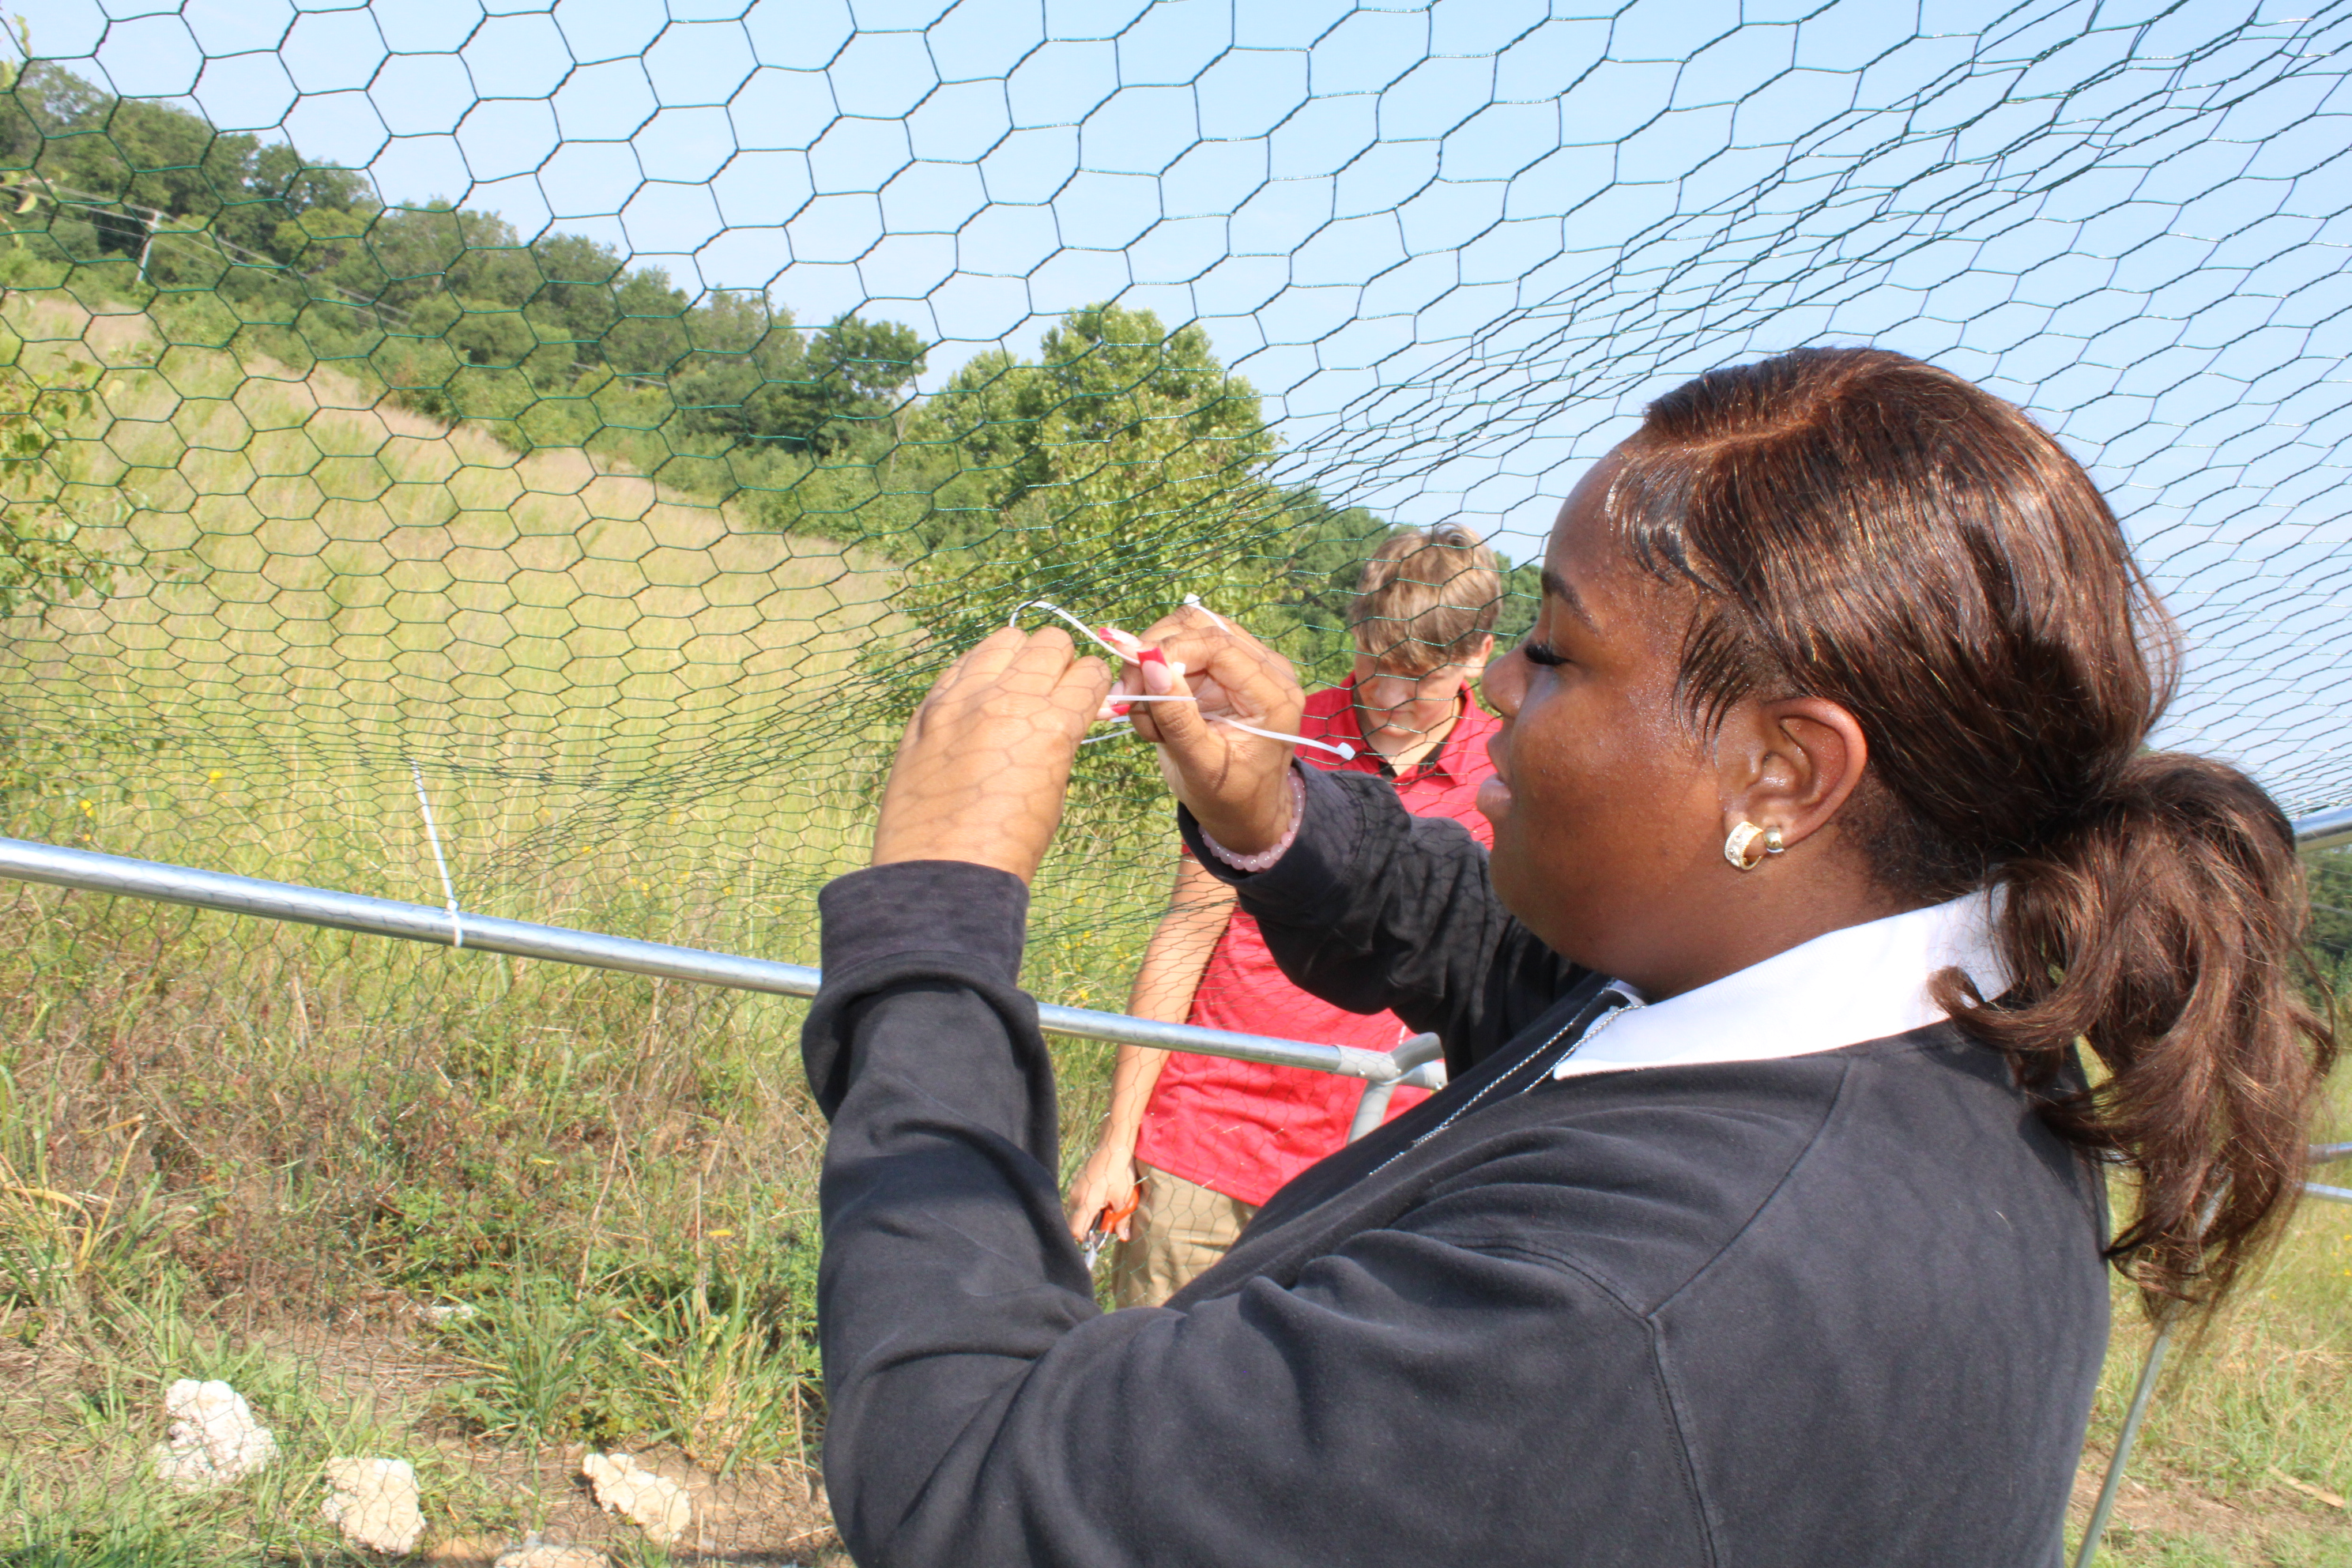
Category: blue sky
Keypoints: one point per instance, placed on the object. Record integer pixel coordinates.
(1457, 245)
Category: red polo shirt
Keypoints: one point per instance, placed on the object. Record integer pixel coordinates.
(1243, 1129)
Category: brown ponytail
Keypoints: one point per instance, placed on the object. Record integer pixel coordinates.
(1860, 526)
(2163, 928)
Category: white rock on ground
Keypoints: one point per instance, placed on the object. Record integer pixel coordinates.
(374, 1503)
(660, 1507)
(213, 1440)
(532, 1554)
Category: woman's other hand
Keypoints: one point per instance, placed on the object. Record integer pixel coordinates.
(1233, 782)
(985, 761)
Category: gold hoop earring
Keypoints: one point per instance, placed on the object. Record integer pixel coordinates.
(1735, 847)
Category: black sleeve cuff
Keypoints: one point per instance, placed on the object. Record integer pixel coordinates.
(1330, 827)
(925, 906)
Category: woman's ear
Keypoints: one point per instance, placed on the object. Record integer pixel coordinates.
(1790, 764)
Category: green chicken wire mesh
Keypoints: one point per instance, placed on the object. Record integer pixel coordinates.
(610, 414)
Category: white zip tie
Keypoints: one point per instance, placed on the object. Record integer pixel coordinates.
(1339, 748)
(1194, 600)
(1091, 635)
(448, 889)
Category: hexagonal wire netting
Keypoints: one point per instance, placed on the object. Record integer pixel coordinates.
(601, 419)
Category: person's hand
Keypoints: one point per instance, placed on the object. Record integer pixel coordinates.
(985, 762)
(1104, 1182)
(1234, 783)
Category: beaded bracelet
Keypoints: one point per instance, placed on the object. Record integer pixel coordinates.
(1265, 857)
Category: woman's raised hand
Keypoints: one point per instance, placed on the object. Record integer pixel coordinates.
(985, 761)
(1233, 782)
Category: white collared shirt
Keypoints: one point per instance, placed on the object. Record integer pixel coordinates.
(1860, 982)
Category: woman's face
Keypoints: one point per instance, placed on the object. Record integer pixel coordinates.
(1606, 803)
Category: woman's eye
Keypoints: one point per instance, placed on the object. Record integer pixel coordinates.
(1541, 653)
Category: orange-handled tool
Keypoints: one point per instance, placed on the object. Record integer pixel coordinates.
(1098, 1234)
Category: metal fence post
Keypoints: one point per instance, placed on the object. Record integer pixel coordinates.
(2321, 1154)
(2124, 1441)
(1415, 1058)
(1371, 1107)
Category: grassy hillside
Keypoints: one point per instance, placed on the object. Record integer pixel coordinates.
(402, 571)
(320, 590)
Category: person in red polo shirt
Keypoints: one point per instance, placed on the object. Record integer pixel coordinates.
(1210, 1140)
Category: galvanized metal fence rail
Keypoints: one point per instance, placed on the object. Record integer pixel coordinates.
(1416, 1063)
(2324, 830)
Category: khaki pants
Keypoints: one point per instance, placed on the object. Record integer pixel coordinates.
(1178, 1231)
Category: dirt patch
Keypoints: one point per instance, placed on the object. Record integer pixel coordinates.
(2168, 1506)
(761, 1516)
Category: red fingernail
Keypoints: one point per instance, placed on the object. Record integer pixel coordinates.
(1151, 655)
(1119, 708)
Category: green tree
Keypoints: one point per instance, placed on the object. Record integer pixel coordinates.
(1327, 546)
(745, 379)
(1123, 461)
(1121, 470)
(860, 373)
(1522, 588)
(754, 381)
(46, 556)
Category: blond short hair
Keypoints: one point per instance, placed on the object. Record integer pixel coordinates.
(1425, 599)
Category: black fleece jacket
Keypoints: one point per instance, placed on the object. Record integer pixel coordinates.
(1839, 1308)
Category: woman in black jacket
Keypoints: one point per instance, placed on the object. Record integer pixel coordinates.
(1763, 1223)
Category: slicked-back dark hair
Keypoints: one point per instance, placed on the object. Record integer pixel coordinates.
(1863, 526)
